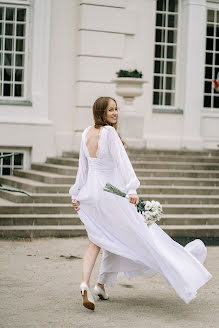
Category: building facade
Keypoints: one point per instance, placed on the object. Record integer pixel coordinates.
(57, 57)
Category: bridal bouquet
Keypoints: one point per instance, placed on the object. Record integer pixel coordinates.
(151, 211)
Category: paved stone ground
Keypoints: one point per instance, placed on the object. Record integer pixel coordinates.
(39, 287)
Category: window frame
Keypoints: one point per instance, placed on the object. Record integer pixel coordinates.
(176, 107)
(25, 99)
(209, 6)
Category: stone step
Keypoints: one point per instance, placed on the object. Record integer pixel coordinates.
(33, 186)
(33, 231)
(69, 161)
(164, 158)
(60, 170)
(68, 170)
(164, 152)
(169, 181)
(45, 177)
(174, 196)
(39, 219)
(69, 219)
(52, 168)
(173, 175)
(39, 187)
(173, 209)
(161, 152)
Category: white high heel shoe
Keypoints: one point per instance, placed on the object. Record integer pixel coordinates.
(98, 291)
(87, 298)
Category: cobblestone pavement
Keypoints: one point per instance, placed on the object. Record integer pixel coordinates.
(39, 287)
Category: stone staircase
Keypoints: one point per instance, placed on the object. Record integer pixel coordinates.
(186, 184)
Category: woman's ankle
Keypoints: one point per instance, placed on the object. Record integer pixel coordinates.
(86, 282)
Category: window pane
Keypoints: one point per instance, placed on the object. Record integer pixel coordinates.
(18, 90)
(6, 160)
(207, 101)
(21, 15)
(210, 30)
(208, 72)
(210, 16)
(161, 5)
(209, 44)
(208, 58)
(19, 60)
(171, 52)
(159, 66)
(160, 20)
(19, 75)
(8, 59)
(6, 171)
(173, 5)
(157, 100)
(160, 36)
(18, 159)
(170, 83)
(208, 87)
(20, 30)
(9, 29)
(216, 61)
(1, 13)
(171, 37)
(7, 89)
(172, 21)
(169, 99)
(9, 44)
(217, 45)
(158, 82)
(10, 13)
(216, 102)
(159, 51)
(20, 44)
(8, 74)
(171, 67)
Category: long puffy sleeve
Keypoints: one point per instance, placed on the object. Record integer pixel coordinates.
(81, 174)
(122, 161)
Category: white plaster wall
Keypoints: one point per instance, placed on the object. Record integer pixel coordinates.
(120, 35)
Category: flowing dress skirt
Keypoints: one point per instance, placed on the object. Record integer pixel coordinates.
(132, 248)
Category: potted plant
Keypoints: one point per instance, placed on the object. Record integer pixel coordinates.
(129, 84)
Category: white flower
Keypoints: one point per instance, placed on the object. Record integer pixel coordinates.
(147, 205)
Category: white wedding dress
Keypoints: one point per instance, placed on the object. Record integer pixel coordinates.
(129, 246)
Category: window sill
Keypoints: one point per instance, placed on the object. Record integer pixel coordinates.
(13, 102)
(167, 110)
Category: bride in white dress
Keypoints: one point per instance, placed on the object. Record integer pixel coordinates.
(129, 246)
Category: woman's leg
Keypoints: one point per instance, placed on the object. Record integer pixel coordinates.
(89, 261)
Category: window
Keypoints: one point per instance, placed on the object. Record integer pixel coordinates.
(13, 50)
(8, 163)
(211, 98)
(166, 28)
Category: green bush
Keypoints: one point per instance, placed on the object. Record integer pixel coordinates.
(130, 73)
